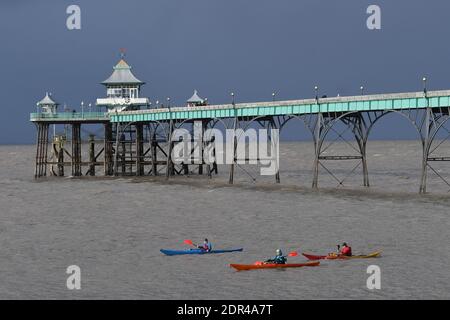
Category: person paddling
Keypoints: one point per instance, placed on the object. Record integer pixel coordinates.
(346, 250)
(206, 246)
(278, 259)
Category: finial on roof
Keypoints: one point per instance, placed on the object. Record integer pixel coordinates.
(195, 98)
(122, 53)
(47, 100)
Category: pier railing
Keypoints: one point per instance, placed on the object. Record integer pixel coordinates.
(70, 116)
(366, 103)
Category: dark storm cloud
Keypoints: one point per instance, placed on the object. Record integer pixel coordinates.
(251, 47)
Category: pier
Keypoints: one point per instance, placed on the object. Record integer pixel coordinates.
(137, 139)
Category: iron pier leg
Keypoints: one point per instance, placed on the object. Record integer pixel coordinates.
(61, 160)
(76, 149)
(361, 135)
(365, 167)
(108, 154)
(139, 150)
(45, 146)
(231, 178)
(91, 155)
(271, 126)
(41, 153)
(169, 165)
(425, 149)
(116, 152)
(154, 152)
(38, 150)
(123, 149)
(214, 155)
(317, 145)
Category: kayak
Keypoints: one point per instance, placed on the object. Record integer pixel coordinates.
(333, 257)
(241, 267)
(197, 251)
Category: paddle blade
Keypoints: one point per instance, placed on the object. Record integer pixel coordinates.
(188, 242)
(293, 254)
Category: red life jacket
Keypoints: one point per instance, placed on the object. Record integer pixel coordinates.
(346, 251)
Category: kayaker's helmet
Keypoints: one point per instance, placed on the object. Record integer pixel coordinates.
(206, 240)
(278, 252)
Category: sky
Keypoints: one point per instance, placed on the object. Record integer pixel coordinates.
(251, 48)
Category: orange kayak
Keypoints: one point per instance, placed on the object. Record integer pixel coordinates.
(241, 267)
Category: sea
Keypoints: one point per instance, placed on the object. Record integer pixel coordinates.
(113, 228)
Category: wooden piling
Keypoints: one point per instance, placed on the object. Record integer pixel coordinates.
(92, 155)
(76, 150)
(139, 149)
(108, 150)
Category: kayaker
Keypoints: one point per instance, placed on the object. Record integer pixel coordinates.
(278, 259)
(206, 246)
(346, 250)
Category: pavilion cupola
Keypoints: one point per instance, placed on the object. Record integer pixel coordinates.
(122, 83)
(195, 100)
(47, 104)
(122, 89)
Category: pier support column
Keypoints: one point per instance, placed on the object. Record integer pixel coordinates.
(364, 166)
(234, 150)
(214, 165)
(361, 132)
(425, 150)
(169, 165)
(199, 141)
(209, 153)
(37, 172)
(208, 164)
(154, 154)
(41, 150)
(108, 150)
(116, 153)
(274, 145)
(92, 159)
(139, 149)
(317, 147)
(123, 152)
(61, 161)
(58, 156)
(76, 150)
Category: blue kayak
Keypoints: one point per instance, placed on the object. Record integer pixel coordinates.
(196, 251)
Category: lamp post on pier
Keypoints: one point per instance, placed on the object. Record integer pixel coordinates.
(424, 81)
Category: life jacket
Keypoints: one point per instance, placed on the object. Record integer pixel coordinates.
(207, 246)
(346, 251)
(280, 260)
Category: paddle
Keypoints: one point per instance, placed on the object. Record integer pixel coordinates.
(189, 242)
